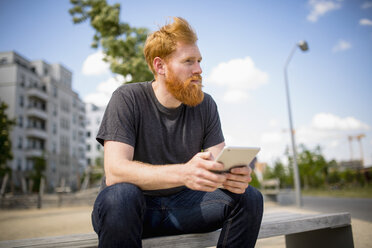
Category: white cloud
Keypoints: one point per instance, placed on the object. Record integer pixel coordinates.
(235, 96)
(104, 91)
(271, 137)
(321, 7)
(365, 22)
(341, 46)
(239, 76)
(94, 65)
(273, 123)
(327, 130)
(326, 121)
(335, 143)
(366, 5)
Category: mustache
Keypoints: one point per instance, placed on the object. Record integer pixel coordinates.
(196, 77)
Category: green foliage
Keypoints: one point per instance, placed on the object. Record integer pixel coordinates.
(121, 43)
(97, 170)
(5, 142)
(315, 171)
(255, 183)
(38, 172)
(281, 172)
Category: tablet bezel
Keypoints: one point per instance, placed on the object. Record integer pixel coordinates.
(234, 156)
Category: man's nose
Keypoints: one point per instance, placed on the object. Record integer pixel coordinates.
(197, 69)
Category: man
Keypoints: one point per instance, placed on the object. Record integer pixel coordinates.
(160, 141)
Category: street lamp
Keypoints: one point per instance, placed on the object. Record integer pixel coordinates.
(304, 47)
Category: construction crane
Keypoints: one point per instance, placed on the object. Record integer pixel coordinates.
(359, 138)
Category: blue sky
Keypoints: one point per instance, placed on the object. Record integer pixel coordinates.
(244, 45)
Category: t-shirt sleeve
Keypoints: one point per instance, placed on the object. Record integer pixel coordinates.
(213, 134)
(118, 120)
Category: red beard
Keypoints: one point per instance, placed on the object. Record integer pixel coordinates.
(187, 92)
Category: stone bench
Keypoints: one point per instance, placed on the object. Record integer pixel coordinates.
(300, 230)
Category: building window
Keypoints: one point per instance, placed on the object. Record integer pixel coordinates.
(54, 148)
(88, 134)
(20, 121)
(55, 91)
(21, 101)
(55, 109)
(88, 147)
(53, 165)
(3, 61)
(23, 80)
(98, 147)
(19, 164)
(54, 128)
(74, 119)
(20, 142)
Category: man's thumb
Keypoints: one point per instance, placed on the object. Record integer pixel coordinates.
(206, 155)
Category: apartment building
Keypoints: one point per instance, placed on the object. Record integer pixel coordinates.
(94, 150)
(50, 119)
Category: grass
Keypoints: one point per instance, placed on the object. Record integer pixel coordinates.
(350, 192)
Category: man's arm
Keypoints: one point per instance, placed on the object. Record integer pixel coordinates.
(195, 174)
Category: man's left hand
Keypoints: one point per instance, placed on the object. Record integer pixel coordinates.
(238, 179)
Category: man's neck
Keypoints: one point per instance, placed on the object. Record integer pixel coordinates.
(164, 97)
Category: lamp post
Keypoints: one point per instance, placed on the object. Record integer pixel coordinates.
(304, 47)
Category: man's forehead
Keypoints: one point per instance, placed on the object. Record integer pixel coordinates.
(186, 50)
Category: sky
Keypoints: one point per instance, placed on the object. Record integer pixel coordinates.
(244, 44)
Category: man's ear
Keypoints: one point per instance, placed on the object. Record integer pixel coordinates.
(159, 66)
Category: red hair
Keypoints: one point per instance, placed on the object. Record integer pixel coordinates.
(163, 42)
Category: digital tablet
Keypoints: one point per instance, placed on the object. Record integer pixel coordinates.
(232, 157)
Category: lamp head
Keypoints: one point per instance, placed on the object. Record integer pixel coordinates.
(303, 45)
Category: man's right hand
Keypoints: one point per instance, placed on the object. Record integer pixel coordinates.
(198, 175)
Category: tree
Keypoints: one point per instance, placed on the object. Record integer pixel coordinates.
(37, 172)
(121, 43)
(5, 142)
(313, 167)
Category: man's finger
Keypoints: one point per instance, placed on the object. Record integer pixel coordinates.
(205, 155)
(243, 170)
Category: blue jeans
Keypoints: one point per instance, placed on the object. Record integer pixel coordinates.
(123, 215)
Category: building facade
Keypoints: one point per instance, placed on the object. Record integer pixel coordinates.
(50, 119)
(94, 150)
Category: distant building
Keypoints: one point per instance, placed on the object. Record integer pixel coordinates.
(351, 165)
(94, 150)
(50, 119)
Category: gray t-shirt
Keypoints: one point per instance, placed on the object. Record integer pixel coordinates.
(159, 135)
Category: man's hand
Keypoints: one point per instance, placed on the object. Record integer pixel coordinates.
(238, 179)
(198, 173)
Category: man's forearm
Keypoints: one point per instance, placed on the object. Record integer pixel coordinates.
(145, 176)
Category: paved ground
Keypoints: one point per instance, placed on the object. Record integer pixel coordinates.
(359, 208)
(20, 224)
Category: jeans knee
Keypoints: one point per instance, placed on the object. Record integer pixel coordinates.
(118, 213)
(121, 195)
(252, 198)
(121, 201)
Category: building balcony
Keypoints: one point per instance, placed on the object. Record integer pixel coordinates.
(37, 133)
(82, 162)
(32, 111)
(39, 93)
(33, 152)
